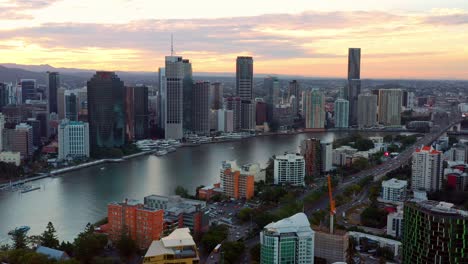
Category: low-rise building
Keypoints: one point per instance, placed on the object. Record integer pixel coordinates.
(394, 190)
(343, 156)
(457, 176)
(208, 192)
(178, 247)
(10, 157)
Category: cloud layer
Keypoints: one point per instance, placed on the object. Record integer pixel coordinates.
(313, 43)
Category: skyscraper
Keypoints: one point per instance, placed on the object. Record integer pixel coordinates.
(434, 232)
(367, 110)
(174, 97)
(2, 127)
(216, 96)
(390, 102)
(61, 103)
(353, 88)
(162, 97)
(186, 95)
(4, 95)
(200, 108)
(260, 112)
(53, 83)
(290, 240)
(137, 112)
(244, 78)
(28, 90)
(247, 115)
(314, 109)
(310, 150)
(295, 90)
(234, 104)
(106, 110)
(271, 86)
(427, 169)
(19, 140)
(326, 148)
(71, 106)
(341, 113)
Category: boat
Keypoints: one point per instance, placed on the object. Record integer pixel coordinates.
(161, 152)
(171, 149)
(30, 189)
(102, 168)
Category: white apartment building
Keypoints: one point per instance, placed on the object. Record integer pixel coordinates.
(427, 170)
(73, 139)
(289, 168)
(394, 190)
(395, 223)
(10, 157)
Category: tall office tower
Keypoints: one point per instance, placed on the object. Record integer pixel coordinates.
(201, 108)
(28, 90)
(367, 110)
(4, 95)
(61, 103)
(187, 99)
(314, 108)
(71, 106)
(353, 88)
(73, 140)
(36, 130)
(2, 127)
(289, 169)
(271, 86)
(390, 101)
(244, 78)
(225, 120)
(162, 97)
(290, 240)
(434, 232)
(248, 115)
(427, 169)
(136, 112)
(216, 96)
(326, 149)
(82, 95)
(260, 112)
(295, 90)
(310, 150)
(234, 104)
(53, 83)
(106, 111)
(341, 113)
(174, 97)
(43, 118)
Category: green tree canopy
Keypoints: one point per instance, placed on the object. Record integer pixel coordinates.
(49, 237)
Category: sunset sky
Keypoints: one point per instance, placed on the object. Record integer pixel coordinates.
(398, 38)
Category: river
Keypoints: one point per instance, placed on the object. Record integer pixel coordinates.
(73, 199)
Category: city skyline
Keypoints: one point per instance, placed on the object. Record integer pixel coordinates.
(313, 41)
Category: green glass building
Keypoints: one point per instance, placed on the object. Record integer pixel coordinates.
(288, 241)
(434, 232)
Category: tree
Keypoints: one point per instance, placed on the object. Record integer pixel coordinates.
(214, 236)
(88, 244)
(49, 237)
(373, 217)
(452, 140)
(126, 245)
(388, 138)
(255, 253)
(182, 192)
(102, 260)
(363, 144)
(245, 214)
(232, 251)
(19, 238)
(67, 247)
(360, 164)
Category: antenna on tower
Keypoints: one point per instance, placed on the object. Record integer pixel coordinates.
(172, 45)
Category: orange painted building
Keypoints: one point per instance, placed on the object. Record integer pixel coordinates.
(142, 224)
(237, 185)
(207, 192)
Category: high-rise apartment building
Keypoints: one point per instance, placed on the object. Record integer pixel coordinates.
(200, 108)
(142, 224)
(216, 96)
(290, 240)
(73, 140)
(175, 74)
(234, 104)
(106, 111)
(289, 169)
(310, 150)
(390, 102)
(427, 169)
(434, 232)
(394, 190)
(314, 109)
(353, 88)
(137, 112)
(326, 148)
(178, 247)
(341, 113)
(367, 110)
(244, 78)
(186, 95)
(53, 83)
(236, 184)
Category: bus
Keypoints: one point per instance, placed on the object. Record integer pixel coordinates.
(216, 249)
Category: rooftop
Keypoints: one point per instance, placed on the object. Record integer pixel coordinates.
(297, 223)
(394, 183)
(442, 208)
(179, 243)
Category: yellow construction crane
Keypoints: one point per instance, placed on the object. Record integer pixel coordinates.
(332, 203)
